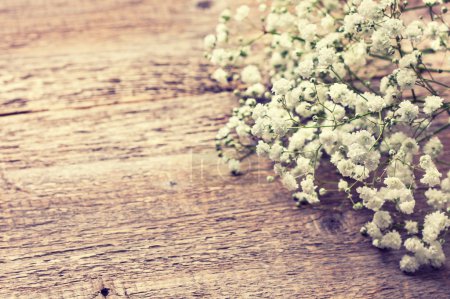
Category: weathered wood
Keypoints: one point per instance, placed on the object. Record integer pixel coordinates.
(109, 182)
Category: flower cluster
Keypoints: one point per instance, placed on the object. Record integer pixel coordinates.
(357, 84)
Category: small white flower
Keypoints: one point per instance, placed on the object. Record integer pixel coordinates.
(353, 23)
(220, 75)
(414, 31)
(370, 10)
(327, 57)
(382, 219)
(375, 103)
(391, 240)
(411, 227)
(432, 103)
(242, 13)
(327, 22)
(281, 86)
(305, 68)
(343, 185)
(438, 199)
(289, 182)
(426, 162)
(407, 207)
(433, 147)
(409, 60)
(262, 149)
(434, 224)
(406, 78)
(234, 166)
(432, 177)
(381, 41)
(409, 264)
(393, 27)
(407, 111)
(250, 74)
(209, 41)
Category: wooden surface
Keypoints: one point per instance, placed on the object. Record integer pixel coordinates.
(109, 181)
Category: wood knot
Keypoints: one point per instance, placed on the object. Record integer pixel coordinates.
(205, 4)
(331, 222)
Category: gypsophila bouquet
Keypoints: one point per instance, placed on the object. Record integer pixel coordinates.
(361, 84)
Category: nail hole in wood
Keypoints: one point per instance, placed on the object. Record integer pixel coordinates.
(104, 292)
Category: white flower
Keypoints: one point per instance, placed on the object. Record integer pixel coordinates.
(357, 84)
(281, 86)
(305, 68)
(438, 199)
(434, 29)
(407, 207)
(275, 152)
(373, 230)
(234, 166)
(289, 182)
(307, 31)
(391, 240)
(434, 224)
(353, 23)
(256, 89)
(370, 10)
(308, 185)
(414, 31)
(409, 60)
(407, 111)
(327, 22)
(221, 35)
(409, 264)
(242, 13)
(433, 147)
(220, 75)
(426, 162)
(445, 184)
(432, 103)
(375, 103)
(283, 41)
(346, 167)
(209, 41)
(382, 219)
(262, 149)
(303, 166)
(381, 41)
(406, 78)
(340, 93)
(435, 254)
(414, 245)
(411, 227)
(370, 198)
(356, 55)
(432, 177)
(393, 27)
(220, 57)
(223, 132)
(250, 74)
(343, 185)
(327, 57)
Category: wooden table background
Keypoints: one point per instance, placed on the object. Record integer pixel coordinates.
(110, 186)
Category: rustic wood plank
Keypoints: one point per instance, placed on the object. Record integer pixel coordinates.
(109, 182)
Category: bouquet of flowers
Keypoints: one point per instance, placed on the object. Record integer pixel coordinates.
(357, 84)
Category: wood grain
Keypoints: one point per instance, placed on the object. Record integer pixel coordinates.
(110, 186)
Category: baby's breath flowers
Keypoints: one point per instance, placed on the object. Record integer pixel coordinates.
(363, 84)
